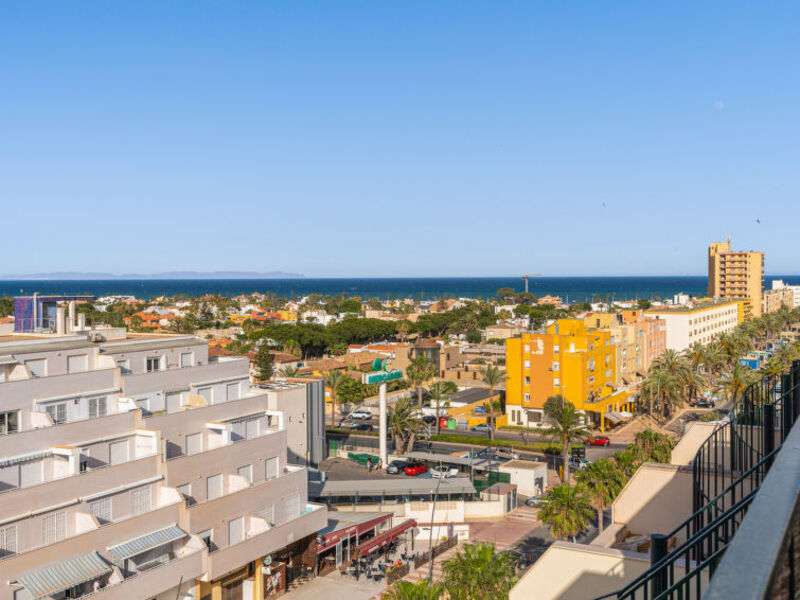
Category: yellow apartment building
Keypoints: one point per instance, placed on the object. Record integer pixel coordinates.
(733, 275)
(568, 359)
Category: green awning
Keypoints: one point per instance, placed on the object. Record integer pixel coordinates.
(64, 575)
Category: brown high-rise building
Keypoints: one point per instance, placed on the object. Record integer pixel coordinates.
(733, 274)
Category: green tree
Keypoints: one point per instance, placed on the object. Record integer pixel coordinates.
(288, 372)
(651, 446)
(564, 426)
(441, 390)
(263, 362)
(418, 371)
(477, 573)
(603, 481)
(403, 424)
(333, 379)
(734, 382)
(422, 589)
(567, 510)
(627, 461)
(136, 323)
(6, 306)
(492, 377)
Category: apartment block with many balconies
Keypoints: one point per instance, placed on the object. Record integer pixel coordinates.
(132, 467)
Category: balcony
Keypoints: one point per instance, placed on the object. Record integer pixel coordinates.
(228, 559)
(152, 582)
(217, 369)
(67, 489)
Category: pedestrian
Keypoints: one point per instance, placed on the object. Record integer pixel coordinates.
(369, 466)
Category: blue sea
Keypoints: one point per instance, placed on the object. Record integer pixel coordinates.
(569, 288)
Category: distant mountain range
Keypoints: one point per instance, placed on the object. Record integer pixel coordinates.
(74, 275)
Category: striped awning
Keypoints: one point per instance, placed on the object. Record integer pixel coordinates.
(147, 542)
(64, 575)
(7, 461)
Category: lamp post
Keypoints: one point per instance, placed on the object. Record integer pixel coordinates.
(430, 541)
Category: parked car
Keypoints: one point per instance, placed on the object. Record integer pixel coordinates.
(362, 414)
(442, 472)
(429, 420)
(415, 468)
(506, 453)
(703, 403)
(536, 501)
(599, 440)
(578, 463)
(364, 427)
(396, 467)
(480, 427)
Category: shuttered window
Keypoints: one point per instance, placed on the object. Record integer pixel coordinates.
(140, 500)
(292, 507)
(214, 487)
(235, 531)
(271, 469)
(118, 452)
(8, 540)
(77, 364)
(97, 407)
(194, 443)
(101, 509)
(57, 412)
(54, 528)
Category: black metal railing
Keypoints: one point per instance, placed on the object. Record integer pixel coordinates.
(727, 470)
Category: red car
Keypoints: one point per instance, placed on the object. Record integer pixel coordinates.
(415, 469)
(600, 440)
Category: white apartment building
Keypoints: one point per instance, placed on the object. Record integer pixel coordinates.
(130, 468)
(700, 323)
(778, 284)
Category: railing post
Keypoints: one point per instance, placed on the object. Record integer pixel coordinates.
(658, 550)
(795, 390)
(732, 443)
(786, 409)
(769, 432)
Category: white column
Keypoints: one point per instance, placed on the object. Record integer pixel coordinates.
(382, 424)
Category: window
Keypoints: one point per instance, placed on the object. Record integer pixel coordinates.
(527, 397)
(527, 380)
(292, 504)
(232, 391)
(206, 394)
(9, 422)
(268, 514)
(37, 367)
(57, 412)
(556, 349)
(30, 473)
(194, 443)
(153, 363)
(527, 348)
(214, 486)
(101, 509)
(208, 538)
(186, 492)
(140, 498)
(271, 467)
(78, 363)
(54, 528)
(118, 452)
(247, 472)
(8, 540)
(556, 366)
(534, 416)
(97, 407)
(187, 359)
(556, 382)
(235, 531)
(124, 366)
(527, 364)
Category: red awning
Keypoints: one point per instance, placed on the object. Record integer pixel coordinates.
(384, 538)
(329, 540)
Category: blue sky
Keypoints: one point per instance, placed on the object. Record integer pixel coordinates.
(398, 138)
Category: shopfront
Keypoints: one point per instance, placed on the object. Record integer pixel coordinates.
(345, 531)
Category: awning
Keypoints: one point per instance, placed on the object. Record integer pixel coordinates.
(13, 460)
(64, 575)
(613, 416)
(147, 542)
(177, 389)
(384, 538)
(7, 359)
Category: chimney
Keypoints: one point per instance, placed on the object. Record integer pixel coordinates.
(61, 320)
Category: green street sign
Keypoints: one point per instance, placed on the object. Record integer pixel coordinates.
(381, 376)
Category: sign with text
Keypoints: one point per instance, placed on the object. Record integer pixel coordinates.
(381, 376)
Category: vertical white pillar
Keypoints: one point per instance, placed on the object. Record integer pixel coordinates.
(382, 424)
(71, 322)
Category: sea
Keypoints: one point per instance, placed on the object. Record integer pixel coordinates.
(572, 289)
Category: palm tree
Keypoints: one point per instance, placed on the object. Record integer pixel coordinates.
(627, 461)
(564, 426)
(332, 380)
(288, 372)
(478, 573)
(418, 371)
(772, 368)
(492, 376)
(441, 390)
(651, 446)
(422, 589)
(603, 481)
(567, 510)
(735, 381)
(403, 425)
(660, 388)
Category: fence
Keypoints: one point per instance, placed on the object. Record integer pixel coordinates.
(396, 573)
(423, 558)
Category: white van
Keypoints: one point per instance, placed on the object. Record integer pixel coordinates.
(363, 414)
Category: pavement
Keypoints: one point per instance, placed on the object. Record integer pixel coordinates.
(337, 587)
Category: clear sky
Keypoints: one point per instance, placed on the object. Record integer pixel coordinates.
(398, 138)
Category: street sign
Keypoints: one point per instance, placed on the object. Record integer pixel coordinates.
(578, 452)
(381, 376)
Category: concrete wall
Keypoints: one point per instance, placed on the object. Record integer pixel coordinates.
(685, 450)
(656, 499)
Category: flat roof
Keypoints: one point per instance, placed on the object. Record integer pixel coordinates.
(481, 464)
(690, 309)
(144, 345)
(524, 464)
(376, 487)
(341, 519)
(29, 345)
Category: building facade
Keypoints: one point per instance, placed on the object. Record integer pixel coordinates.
(567, 359)
(774, 299)
(134, 466)
(686, 325)
(733, 274)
